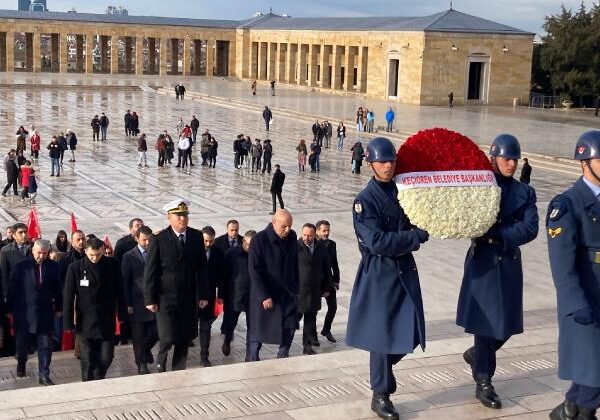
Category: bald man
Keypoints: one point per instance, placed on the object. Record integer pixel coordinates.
(273, 267)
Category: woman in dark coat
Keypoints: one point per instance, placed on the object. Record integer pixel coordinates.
(357, 157)
(62, 243)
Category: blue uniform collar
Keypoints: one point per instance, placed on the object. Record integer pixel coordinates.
(593, 187)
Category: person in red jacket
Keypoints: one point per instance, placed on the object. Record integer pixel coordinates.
(36, 142)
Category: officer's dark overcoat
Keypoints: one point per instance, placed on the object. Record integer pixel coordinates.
(386, 307)
(175, 279)
(573, 228)
(491, 296)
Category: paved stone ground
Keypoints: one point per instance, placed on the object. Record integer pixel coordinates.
(104, 189)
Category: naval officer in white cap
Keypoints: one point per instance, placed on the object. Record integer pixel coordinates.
(176, 284)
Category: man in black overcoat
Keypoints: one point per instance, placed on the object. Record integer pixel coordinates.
(215, 271)
(231, 239)
(123, 245)
(33, 299)
(142, 321)
(235, 291)
(91, 293)
(176, 284)
(273, 305)
(315, 282)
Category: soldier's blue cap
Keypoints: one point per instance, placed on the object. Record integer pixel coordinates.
(588, 145)
(506, 146)
(380, 149)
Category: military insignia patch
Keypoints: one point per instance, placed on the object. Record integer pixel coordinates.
(554, 213)
(357, 208)
(554, 232)
(581, 149)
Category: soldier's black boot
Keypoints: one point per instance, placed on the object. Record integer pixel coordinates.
(586, 414)
(486, 393)
(383, 407)
(564, 411)
(468, 356)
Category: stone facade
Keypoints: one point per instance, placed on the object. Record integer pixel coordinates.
(420, 65)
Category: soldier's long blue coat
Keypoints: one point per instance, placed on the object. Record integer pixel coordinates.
(573, 228)
(386, 307)
(490, 303)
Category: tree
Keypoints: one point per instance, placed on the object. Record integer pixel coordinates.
(571, 52)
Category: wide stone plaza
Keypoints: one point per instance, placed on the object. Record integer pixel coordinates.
(104, 189)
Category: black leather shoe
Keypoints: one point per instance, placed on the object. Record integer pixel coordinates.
(586, 414)
(383, 407)
(226, 348)
(21, 371)
(329, 336)
(308, 350)
(205, 363)
(143, 369)
(468, 356)
(46, 381)
(565, 411)
(160, 369)
(486, 393)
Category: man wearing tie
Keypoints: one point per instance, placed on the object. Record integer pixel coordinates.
(231, 239)
(176, 284)
(10, 255)
(215, 269)
(34, 298)
(143, 322)
(315, 281)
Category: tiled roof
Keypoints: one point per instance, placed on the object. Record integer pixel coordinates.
(447, 21)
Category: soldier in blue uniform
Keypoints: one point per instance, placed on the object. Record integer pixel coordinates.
(386, 309)
(490, 304)
(573, 224)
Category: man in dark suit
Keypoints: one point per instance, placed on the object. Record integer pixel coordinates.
(176, 284)
(10, 255)
(12, 172)
(91, 292)
(273, 305)
(142, 321)
(215, 271)
(315, 282)
(33, 298)
(230, 239)
(76, 253)
(13, 253)
(525, 177)
(235, 291)
(277, 187)
(123, 245)
(323, 229)
(9, 237)
(128, 242)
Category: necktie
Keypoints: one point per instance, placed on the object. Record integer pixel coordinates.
(23, 250)
(232, 243)
(181, 240)
(144, 255)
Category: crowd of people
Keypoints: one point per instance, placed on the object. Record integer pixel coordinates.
(164, 288)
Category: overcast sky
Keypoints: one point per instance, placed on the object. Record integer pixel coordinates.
(522, 14)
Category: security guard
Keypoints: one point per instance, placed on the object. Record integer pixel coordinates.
(573, 223)
(490, 305)
(386, 309)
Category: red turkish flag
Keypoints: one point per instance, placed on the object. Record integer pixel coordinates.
(107, 243)
(33, 225)
(73, 223)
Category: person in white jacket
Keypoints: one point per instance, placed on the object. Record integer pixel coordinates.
(183, 145)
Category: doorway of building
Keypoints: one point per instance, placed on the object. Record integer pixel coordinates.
(393, 71)
(475, 79)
